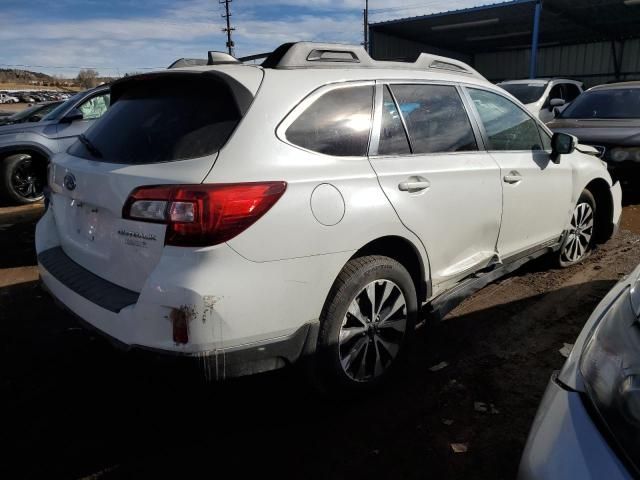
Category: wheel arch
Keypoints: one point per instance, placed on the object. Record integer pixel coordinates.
(406, 253)
(34, 150)
(601, 191)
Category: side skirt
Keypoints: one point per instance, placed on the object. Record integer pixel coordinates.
(440, 306)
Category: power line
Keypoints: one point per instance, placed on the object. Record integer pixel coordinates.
(229, 28)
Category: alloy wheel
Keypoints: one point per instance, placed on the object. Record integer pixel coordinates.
(25, 179)
(580, 233)
(373, 331)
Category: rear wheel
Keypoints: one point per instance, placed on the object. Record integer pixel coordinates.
(366, 324)
(580, 237)
(22, 178)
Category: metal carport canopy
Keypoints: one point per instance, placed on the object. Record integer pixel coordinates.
(509, 25)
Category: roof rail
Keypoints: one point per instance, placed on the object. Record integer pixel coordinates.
(335, 55)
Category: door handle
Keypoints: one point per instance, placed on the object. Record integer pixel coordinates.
(414, 184)
(513, 177)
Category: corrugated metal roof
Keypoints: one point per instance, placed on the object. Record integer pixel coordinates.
(457, 10)
(508, 25)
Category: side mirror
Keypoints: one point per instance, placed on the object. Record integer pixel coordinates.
(562, 144)
(72, 116)
(556, 102)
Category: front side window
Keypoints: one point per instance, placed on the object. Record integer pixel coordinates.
(94, 107)
(571, 91)
(338, 123)
(435, 117)
(507, 126)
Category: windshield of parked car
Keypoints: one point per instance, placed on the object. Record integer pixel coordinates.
(525, 92)
(612, 103)
(60, 109)
(172, 117)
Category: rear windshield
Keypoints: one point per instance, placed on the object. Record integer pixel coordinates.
(614, 103)
(525, 92)
(163, 119)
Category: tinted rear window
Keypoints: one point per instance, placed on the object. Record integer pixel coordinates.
(164, 119)
(525, 92)
(337, 123)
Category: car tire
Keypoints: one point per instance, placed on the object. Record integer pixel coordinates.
(579, 240)
(22, 179)
(358, 346)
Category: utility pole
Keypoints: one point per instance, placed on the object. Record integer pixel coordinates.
(366, 25)
(229, 28)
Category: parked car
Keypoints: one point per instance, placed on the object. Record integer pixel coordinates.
(253, 216)
(588, 423)
(6, 98)
(26, 99)
(545, 98)
(31, 114)
(25, 148)
(608, 118)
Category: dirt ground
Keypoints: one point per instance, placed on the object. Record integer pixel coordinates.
(77, 408)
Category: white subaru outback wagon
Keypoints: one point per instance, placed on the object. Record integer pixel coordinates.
(314, 207)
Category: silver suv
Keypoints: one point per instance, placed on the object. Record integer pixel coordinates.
(26, 148)
(309, 208)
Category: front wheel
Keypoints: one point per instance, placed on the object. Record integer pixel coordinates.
(22, 178)
(579, 239)
(366, 324)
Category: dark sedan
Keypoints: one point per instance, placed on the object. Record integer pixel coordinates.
(608, 118)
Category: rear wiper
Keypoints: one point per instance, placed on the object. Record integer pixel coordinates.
(90, 146)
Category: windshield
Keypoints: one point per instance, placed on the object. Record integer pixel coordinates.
(164, 119)
(613, 103)
(56, 112)
(525, 92)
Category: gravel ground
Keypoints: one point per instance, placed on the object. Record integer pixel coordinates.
(77, 408)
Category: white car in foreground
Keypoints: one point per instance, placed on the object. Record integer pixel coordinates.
(308, 208)
(544, 97)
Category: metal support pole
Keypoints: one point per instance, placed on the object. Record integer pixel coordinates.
(534, 40)
(365, 15)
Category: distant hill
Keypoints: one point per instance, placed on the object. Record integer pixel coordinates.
(23, 76)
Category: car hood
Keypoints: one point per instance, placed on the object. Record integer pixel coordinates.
(27, 127)
(623, 132)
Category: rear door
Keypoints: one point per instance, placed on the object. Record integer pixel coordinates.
(536, 191)
(159, 130)
(431, 165)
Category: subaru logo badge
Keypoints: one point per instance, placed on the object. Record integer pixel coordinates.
(69, 181)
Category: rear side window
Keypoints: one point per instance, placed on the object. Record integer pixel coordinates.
(507, 125)
(393, 138)
(435, 117)
(338, 123)
(164, 119)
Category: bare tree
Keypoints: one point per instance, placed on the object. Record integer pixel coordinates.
(87, 78)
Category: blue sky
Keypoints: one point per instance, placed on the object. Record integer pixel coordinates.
(117, 36)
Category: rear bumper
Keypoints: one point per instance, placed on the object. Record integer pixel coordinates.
(242, 317)
(223, 363)
(565, 444)
(616, 195)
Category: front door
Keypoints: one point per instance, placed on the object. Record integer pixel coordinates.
(536, 191)
(444, 188)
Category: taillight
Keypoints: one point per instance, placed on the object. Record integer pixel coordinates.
(202, 215)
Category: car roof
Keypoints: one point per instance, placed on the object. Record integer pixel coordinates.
(618, 85)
